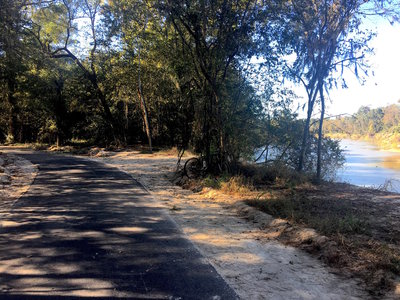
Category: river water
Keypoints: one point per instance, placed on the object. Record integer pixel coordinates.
(367, 165)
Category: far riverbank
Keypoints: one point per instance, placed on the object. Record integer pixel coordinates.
(384, 141)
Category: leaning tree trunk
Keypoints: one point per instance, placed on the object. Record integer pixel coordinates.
(92, 77)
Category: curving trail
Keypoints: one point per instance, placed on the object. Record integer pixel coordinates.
(88, 230)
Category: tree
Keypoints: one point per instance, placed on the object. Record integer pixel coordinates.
(391, 116)
(11, 54)
(54, 25)
(136, 21)
(324, 36)
(215, 34)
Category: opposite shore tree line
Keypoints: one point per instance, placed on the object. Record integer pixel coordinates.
(380, 125)
(205, 75)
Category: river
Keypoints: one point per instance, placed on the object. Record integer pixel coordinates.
(367, 165)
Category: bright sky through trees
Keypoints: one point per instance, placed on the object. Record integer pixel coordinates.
(379, 90)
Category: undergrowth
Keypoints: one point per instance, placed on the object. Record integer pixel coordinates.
(230, 185)
(361, 237)
(328, 217)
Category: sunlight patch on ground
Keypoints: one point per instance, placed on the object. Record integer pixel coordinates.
(243, 257)
(78, 287)
(62, 268)
(91, 234)
(31, 236)
(19, 266)
(129, 230)
(12, 224)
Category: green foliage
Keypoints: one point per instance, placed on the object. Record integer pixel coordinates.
(211, 182)
(381, 125)
(176, 72)
(283, 143)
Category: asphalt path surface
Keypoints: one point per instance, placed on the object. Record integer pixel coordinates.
(88, 230)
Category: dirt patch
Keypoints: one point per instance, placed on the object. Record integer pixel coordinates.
(240, 241)
(16, 175)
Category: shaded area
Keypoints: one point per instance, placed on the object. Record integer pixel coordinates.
(86, 230)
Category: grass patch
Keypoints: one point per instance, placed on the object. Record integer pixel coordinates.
(328, 217)
(365, 233)
(361, 226)
(212, 182)
(238, 185)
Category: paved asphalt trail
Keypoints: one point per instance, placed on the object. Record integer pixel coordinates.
(88, 230)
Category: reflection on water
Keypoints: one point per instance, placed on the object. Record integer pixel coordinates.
(366, 165)
(391, 162)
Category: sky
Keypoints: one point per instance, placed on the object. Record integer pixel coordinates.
(379, 90)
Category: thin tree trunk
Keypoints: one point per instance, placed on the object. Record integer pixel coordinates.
(145, 119)
(112, 124)
(306, 133)
(126, 125)
(141, 97)
(12, 117)
(219, 125)
(60, 112)
(321, 122)
(207, 111)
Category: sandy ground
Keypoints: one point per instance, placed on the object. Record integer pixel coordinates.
(236, 239)
(16, 175)
(250, 260)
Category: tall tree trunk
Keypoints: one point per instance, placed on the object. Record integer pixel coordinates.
(218, 105)
(321, 122)
(141, 97)
(12, 117)
(126, 125)
(206, 139)
(60, 112)
(146, 119)
(306, 133)
(109, 118)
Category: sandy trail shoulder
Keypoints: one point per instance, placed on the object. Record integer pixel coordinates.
(16, 176)
(255, 266)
